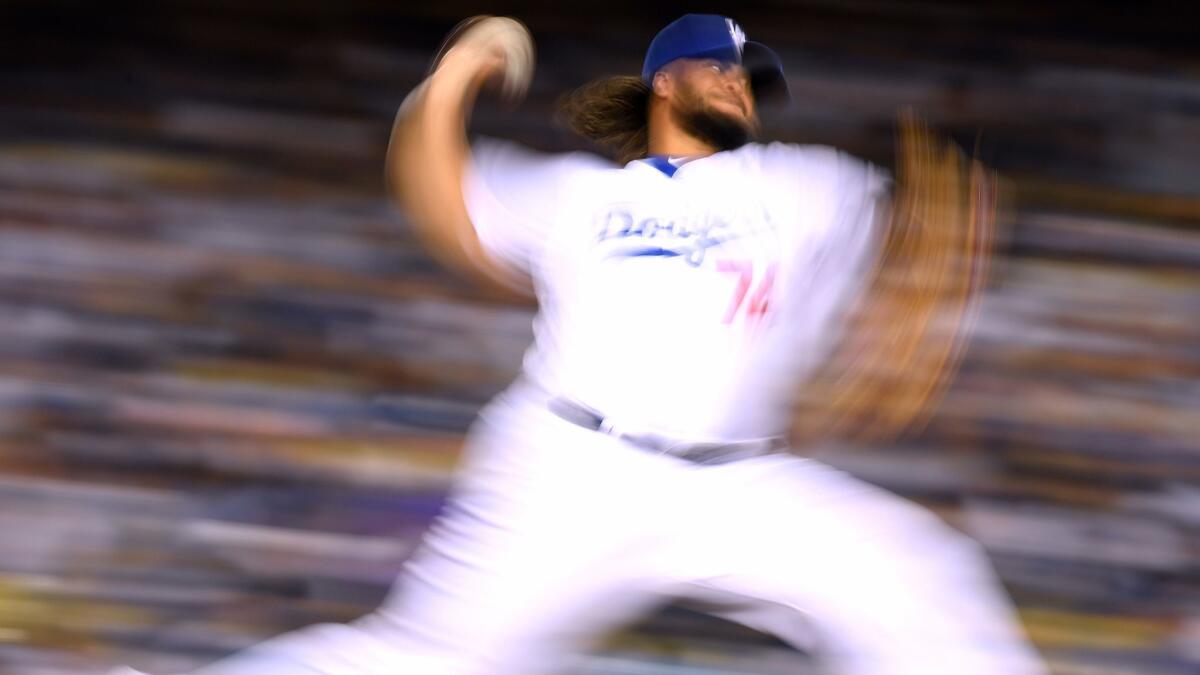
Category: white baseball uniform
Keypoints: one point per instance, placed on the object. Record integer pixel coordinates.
(679, 304)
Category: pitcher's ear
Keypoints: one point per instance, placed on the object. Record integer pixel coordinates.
(661, 84)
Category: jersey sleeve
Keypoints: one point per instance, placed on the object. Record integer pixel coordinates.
(512, 197)
(852, 245)
(848, 196)
(841, 202)
(863, 195)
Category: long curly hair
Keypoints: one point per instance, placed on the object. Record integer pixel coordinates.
(612, 112)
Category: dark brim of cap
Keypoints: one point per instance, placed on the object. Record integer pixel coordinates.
(766, 73)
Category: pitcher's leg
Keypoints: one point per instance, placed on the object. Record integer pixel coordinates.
(882, 586)
(524, 611)
(531, 559)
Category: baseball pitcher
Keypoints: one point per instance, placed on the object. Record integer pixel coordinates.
(683, 292)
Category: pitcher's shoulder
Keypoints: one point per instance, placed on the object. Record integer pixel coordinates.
(810, 157)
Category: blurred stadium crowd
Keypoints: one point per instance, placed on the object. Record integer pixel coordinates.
(232, 386)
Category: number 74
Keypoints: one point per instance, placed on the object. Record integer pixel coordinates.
(751, 293)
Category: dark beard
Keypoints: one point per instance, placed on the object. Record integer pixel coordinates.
(720, 131)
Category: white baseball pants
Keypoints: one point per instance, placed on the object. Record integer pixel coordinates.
(555, 535)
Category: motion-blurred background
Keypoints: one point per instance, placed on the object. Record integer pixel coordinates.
(232, 386)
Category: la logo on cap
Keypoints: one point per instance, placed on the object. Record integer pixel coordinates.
(735, 32)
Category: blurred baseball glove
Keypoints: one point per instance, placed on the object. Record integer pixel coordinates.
(906, 340)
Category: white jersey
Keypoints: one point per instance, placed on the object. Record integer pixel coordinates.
(689, 305)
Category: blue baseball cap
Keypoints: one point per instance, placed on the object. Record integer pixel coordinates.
(712, 36)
